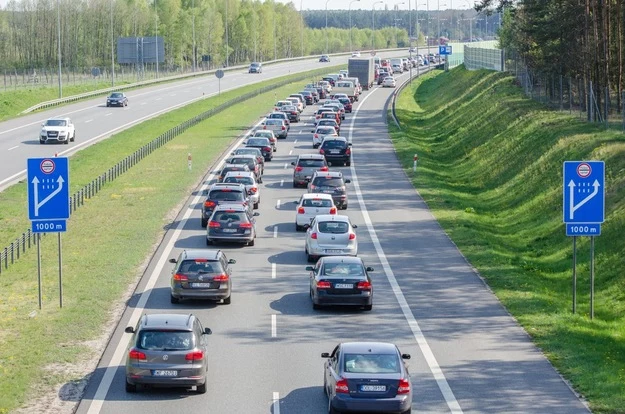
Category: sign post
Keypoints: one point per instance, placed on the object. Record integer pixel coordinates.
(220, 74)
(48, 204)
(583, 210)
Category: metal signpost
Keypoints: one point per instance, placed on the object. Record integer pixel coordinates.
(583, 210)
(220, 74)
(48, 205)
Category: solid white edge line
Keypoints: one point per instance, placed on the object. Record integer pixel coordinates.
(435, 369)
(107, 379)
(281, 183)
(276, 403)
(278, 204)
(274, 270)
(274, 328)
(12, 148)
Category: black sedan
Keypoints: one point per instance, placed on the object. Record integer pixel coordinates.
(117, 99)
(263, 144)
(367, 377)
(340, 280)
(337, 150)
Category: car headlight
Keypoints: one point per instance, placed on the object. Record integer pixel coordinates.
(62, 133)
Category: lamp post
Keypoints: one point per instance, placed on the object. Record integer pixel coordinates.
(351, 49)
(58, 33)
(275, 45)
(193, 31)
(301, 14)
(373, 24)
(327, 1)
(227, 47)
(156, 37)
(395, 19)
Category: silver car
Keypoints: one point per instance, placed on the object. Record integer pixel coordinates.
(330, 235)
(270, 135)
(305, 166)
(167, 350)
(248, 179)
(278, 126)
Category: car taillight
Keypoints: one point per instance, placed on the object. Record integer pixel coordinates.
(245, 225)
(209, 204)
(364, 285)
(301, 210)
(179, 277)
(313, 188)
(323, 169)
(253, 190)
(333, 210)
(213, 224)
(404, 386)
(313, 236)
(264, 126)
(134, 354)
(341, 386)
(267, 148)
(352, 236)
(283, 127)
(298, 169)
(221, 278)
(316, 135)
(321, 151)
(348, 151)
(194, 356)
(323, 284)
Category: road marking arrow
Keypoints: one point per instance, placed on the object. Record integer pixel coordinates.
(572, 206)
(38, 204)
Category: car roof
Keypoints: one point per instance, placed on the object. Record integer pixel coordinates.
(232, 186)
(310, 157)
(331, 138)
(334, 174)
(332, 217)
(369, 347)
(167, 321)
(57, 119)
(232, 206)
(341, 259)
(316, 195)
(239, 174)
(250, 156)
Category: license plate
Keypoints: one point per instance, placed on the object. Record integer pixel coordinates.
(374, 388)
(229, 230)
(165, 373)
(335, 152)
(343, 286)
(200, 285)
(334, 251)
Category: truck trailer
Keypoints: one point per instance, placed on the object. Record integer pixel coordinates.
(363, 69)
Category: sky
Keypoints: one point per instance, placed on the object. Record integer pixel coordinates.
(368, 4)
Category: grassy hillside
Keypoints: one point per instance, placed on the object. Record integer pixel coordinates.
(490, 168)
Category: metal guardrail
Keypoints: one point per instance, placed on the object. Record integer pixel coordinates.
(11, 253)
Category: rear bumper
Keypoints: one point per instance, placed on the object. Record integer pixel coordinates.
(397, 405)
(170, 382)
(212, 294)
(363, 299)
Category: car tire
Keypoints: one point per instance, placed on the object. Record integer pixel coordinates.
(298, 227)
(251, 243)
(344, 206)
(315, 306)
(66, 141)
(256, 205)
(295, 185)
(42, 141)
(204, 222)
(201, 389)
(331, 409)
(310, 258)
(228, 300)
(348, 163)
(107, 105)
(131, 387)
(209, 242)
(174, 299)
(368, 307)
(73, 137)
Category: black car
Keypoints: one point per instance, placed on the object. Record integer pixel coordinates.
(231, 167)
(347, 104)
(336, 150)
(224, 194)
(341, 280)
(308, 96)
(290, 111)
(330, 182)
(231, 223)
(263, 144)
(117, 99)
(324, 58)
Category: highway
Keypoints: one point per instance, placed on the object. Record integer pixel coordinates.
(468, 353)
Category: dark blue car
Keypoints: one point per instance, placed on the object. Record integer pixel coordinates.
(117, 99)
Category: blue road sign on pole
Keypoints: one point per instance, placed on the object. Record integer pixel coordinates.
(48, 226)
(583, 192)
(48, 192)
(444, 50)
(583, 229)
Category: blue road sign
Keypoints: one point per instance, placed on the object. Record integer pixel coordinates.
(583, 192)
(444, 50)
(48, 188)
(583, 229)
(49, 226)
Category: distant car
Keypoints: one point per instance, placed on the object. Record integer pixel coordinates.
(248, 179)
(246, 159)
(330, 235)
(297, 103)
(324, 58)
(117, 99)
(263, 144)
(337, 150)
(367, 376)
(231, 167)
(281, 115)
(341, 280)
(275, 125)
(231, 223)
(308, 97)
(311, 205)
(388, 82)
(347, 104)
(330, 182)
(305, 166)
(269, 134)
(252, 151)
(397, 68)
(291, 112)
(220, 193)
(256, 67)
(59, 130)
(356, 54)
(167, 349)
(320, 132)
(330, 122)
(201, 274)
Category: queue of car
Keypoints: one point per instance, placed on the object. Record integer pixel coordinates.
(171, 349)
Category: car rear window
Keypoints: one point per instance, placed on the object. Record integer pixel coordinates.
(272, 121)
(311, 163)
(241, 160)
(228, 195)
(337, 227)
(258, 142)
(325, 131)
(200, 266)
(317, 202)
(342, 269)
(372, 363)
(161, 340)
(229, 216)
(239, 180)
(334, 143)
(328, 181)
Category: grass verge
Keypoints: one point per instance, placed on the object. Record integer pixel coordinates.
(490, 169)
(107, 242)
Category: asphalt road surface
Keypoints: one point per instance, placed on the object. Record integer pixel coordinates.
(19, 138)
(468, 353)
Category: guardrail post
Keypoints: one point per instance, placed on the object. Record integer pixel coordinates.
(6, 257)
(12, 253)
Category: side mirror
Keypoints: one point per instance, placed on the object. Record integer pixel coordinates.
(245, 142)
(207, 331)
(370, 269)
(256, 214)
(129, 329)
(310, 268)
(312, 130)
(405, 356)
(325, 355)
(231, 261)
(348, 181)
(293, 163)
(205, 192)
(173, 261)
(349, 144)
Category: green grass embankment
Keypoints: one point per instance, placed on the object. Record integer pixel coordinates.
(490, 169)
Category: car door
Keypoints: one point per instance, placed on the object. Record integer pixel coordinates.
(332, 369)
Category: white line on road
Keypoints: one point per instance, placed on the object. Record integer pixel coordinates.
(278, 205)
(276, 403)
(301, 130)
(436, 370)
(12, 148)
(88, 120)
(291, 152)
(295, 142)
(274, 270)
(108, 114)
(281, 183)
(286, 165)
(143, 103)
(274, 328)
(275, 231)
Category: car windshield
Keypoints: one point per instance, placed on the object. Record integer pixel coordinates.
(334, 143)
(240, 151)
(266, 134)
(273, 122)
(310, 163)
(328, 182)
(255, 65)
(55, 122)
(199, 266)
(168, 340)
(372, 363)
(229, 195)
(116, 95)
(239, 180)
(258, 142)
(326, 131)
(316, 202)
(335, 227)
(342, 269)
(229, 216)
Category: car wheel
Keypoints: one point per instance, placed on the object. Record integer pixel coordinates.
(204, 222)
(295, 185)
(315, 306)
(344, 206)
(130, 387)
(310, 258)
(201, 389)
(348, 163)
(256, 205)
(73, 137)
(42, 141)
(228, 300)
(174, 299)
(331, 409)
(66, 141)
(251, 243)
(107, 105)
(298, 227)
(275, 148)
(209, 242)
(368, 307)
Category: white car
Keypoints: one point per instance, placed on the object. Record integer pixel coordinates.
(356, 54)
(297, 103)
(311, 205)
(330, 235)
(57, 130)
(388, 82)
(248, 179)
(322, 132)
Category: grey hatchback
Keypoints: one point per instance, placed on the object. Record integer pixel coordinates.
(167, 350)
(305, 167)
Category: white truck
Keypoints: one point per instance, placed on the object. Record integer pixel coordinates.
(346, 87)
(362, 68)
(57, 130)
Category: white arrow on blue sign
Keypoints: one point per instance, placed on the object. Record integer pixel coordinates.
(583, 192)
(48, 188)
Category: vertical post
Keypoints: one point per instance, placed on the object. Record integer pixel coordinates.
(561, 95)
(156, 36)
(58, 24)
(60, 273)
(39, 266)
(193, 31)
(574, 274)
(606, 105)
(112, 49)
(227, 46)
(592, 277)
(623, 108)
(570, 96)
(189, 161)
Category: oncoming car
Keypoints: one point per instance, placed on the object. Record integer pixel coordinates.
(117, 99)
(388, 82)
(59, 130)
(255, 67)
